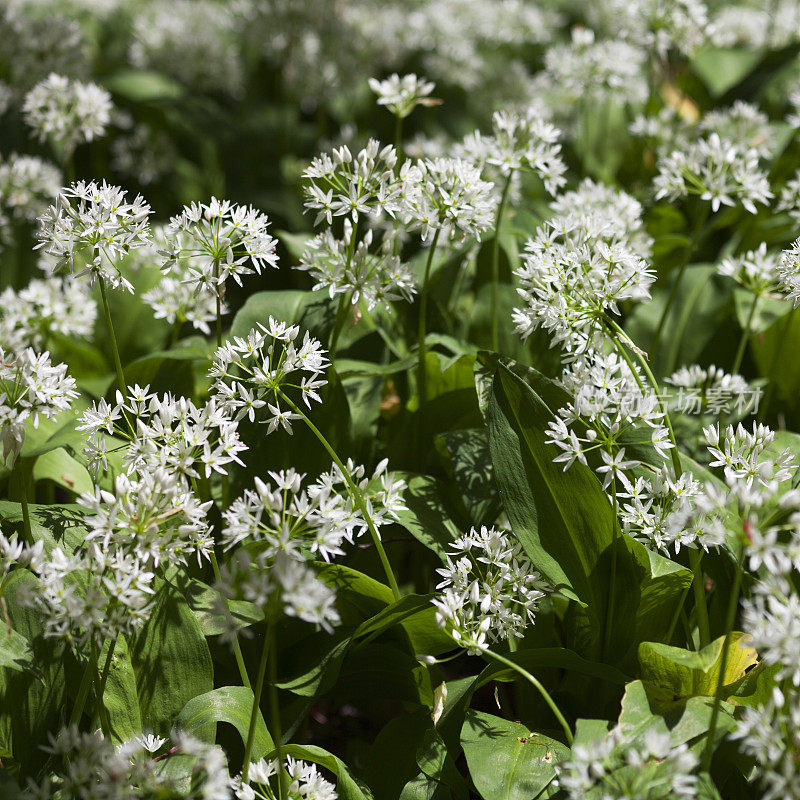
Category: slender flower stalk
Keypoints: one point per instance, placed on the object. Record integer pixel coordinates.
(748, 327)
(259, 688)
(355, 494)
(121, 384)
(422, 324)
(496, 256)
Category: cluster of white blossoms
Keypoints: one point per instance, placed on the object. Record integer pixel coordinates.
(151, 516)
(304, 782)
(161, 431)
(45, 307)
(630, 764)
(402, 95)
(789, 198)
(31, 386)
(208, 243)
(521, 140)
(716, 170)
(345, 266)
(710, 390)
(67, 112)
(621, 216)
(575, 272)
(90, 767)
(90, 228)
(758, 270)
(258, 371)
(341, 185)
(90, 596)
(742, 123)
(28, 184)
(789, 273)
(489, 591)
(609, 411)
(445, 195)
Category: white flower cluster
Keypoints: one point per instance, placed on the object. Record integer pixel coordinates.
(342, 185)
(94, 769)
(28, 184)
(630, 764)
(608, 412)
(30, 387)
(621, 216)
(447, 195)
(789, 272)
(708, 390)
(66, 112)
(345, 266)
(789, 199)
(161, 431)
(743, 124)
(575, 273)
(257, 371)
(90, 228)
(402, 95)
(45, 307)
(151, 516)
(758, 271)
(177, 302)
(489, 591)
(208, 243)
(305, 782)
(525, 140)
(717, 170)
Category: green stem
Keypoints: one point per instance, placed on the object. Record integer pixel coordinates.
(737, 361)
(21, 479)
(423, 312)
(114, 349)
(254, 711)
(733, 604)
(338, 325)
(237, 650)
(275, 717)
(219, 303)
(613, 587)
(542, 691)
(83, 690)
(175, 333)
(398, 140)
(496, 257)
(355, 493)
(699, 589)
(675, 616)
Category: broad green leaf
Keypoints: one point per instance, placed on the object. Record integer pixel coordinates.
(171, 660)
(347, 788)
(506, 760)
(671, 673)
(202, 599)
(312, 311)
(57, 525)
(15, 651)
(231, 704)
(61, 468)
(120, 698)
(722, 68)
(143, 86)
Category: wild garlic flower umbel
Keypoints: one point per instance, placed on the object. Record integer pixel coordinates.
(630, 764)
(253, 373)
(111, 596)
(90, 228)
(524, 140)
(616, 213)
(94, 767)
(402, 95)
(45, 307)
(216, 241)
(161, 431)
(756, 270)
(608, 413)
(447, 195)
(489, 591)
(305, 782)
(575, 273)
(67, 113)
(27, 186)
(710, 390)
(30, 387)
(742, 123)
(152, 516)
(343, 266)
(341, 185)
(716, 170)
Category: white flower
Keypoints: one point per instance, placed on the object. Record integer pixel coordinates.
(90, 228)
(711, 390)
(789, 272)
(255, 372)
(27, 186)
(67, 112)
(210, 243)
(489, 591)
(445, 194)
(756, 270)
(717, 170)
(744, 124)
(30, 386)
(305, 782)
(402, 95)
